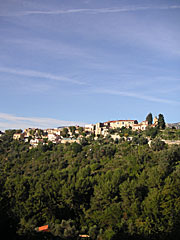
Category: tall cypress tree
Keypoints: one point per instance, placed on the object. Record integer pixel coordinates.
(161, 122)
(149, 118)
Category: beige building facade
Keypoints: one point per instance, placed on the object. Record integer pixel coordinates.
(18, 136)
(141, 126)
(121, 123)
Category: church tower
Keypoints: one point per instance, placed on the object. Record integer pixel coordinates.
(155, 121)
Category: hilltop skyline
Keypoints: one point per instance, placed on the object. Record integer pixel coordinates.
(15, 122)
(89, 61)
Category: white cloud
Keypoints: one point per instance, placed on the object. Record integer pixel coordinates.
(161, 36)
(90, 10)
(37, 74)
(102, 10)
(9, 121)
(137, 95)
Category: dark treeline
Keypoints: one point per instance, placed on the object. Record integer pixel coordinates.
(109, 190)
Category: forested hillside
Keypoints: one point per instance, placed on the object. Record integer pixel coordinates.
(106, 189)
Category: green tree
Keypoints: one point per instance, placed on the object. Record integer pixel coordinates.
(161, 122)
(149, 118)
(72, 129)
(81, 131)
(157, 144)
(110, 191)
(151, 132)
(65, 132)
(76, 147)
(65, 230)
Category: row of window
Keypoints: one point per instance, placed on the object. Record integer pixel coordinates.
(124, 123)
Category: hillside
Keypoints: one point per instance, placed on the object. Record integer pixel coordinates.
(104, 188)
(176, 125)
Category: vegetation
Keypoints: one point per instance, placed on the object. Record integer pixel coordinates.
(149, 118)
(161, 122)
(108, 189)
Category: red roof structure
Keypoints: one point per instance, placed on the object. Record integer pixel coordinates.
(84, 236)
(44, 228)
(120, 121)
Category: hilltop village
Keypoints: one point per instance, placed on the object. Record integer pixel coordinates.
(116, 180)
(75, 133)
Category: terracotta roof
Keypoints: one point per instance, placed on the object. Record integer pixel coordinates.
(121, 121)
(84, 236)
(44, 228)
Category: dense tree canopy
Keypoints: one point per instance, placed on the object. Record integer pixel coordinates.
(161, 122)
(109, 190)
(149, 118)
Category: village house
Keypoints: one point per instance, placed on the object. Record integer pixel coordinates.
(53, 137)
(70, 140)
(144, 124)
(102, 128)
(105, 132)
(99, 128)
(121, 123)
(141, 126)
(35, 142)
(31, 131)
(35, 135)
(56, 131)
(18, 136)
(27, 132)
(1, 133)
(89, 128)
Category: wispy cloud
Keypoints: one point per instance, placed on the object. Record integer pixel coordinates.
(103, 10)
(37, 74)
(87, 11)
(92, 10)
(57, 49)
(137, 95)
(9, 121)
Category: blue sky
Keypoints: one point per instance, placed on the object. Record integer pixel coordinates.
(66, 62)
